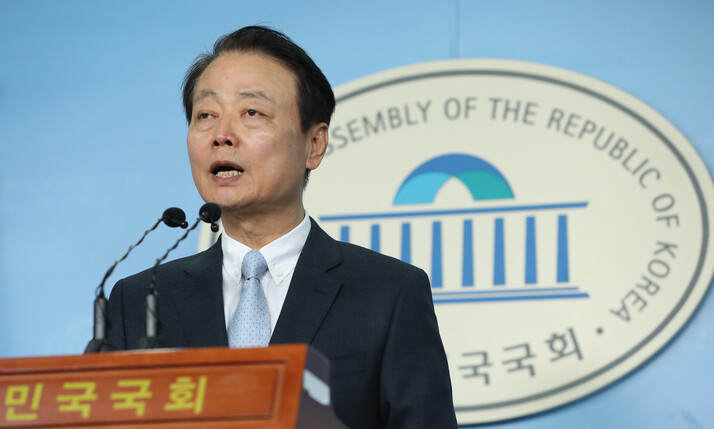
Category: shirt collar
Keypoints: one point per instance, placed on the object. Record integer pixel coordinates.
(281, 255)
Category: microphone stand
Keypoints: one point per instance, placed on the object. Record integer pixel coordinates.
(152, 340)
(172, 217)
(209, 213)
(99, 343)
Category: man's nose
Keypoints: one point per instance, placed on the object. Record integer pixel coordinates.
(225, 134)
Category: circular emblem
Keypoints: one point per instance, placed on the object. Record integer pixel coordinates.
(565, 225)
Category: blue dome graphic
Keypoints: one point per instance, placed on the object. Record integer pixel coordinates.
(482, 179)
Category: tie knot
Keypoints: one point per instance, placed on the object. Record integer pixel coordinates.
(253, 265)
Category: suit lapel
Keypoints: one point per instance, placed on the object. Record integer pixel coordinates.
(312, 289)
(202, 289)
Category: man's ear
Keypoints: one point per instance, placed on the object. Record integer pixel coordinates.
(318, 145)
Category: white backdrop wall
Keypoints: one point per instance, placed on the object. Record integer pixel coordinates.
(92, 140)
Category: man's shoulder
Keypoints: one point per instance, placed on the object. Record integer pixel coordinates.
(366, 261)
(170, 269)
(371, 264)
(353, 252)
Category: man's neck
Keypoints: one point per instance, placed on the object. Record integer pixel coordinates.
(257, 231)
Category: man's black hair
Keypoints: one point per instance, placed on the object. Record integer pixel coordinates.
(316, 101)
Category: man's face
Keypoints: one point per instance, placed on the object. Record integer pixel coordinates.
(247, 151)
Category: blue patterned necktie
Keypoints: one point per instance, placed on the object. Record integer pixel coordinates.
(250, 324)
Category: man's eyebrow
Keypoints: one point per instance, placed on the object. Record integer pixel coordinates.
(241, 94)
(204, 93)
(255, 93)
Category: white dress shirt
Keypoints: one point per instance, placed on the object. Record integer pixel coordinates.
(281, 255)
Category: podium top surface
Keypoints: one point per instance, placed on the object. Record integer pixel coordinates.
(187, 388)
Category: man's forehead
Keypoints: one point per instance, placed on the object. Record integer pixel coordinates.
(291, 82)
(248, 93)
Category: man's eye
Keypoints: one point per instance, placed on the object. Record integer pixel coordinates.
(251, 112)
(204, 115)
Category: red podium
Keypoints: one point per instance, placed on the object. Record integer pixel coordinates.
(284, 386)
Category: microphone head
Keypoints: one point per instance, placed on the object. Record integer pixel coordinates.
(174, 217)
(210, 213)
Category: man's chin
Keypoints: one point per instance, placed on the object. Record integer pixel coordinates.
(227, 206)
(225, 200)
(231, 208)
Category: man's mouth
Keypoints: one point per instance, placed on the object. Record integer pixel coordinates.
(226, 170)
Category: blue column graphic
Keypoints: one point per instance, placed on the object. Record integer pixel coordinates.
(374, 241)
(407, 242)
(436, 268)
(563, 269)
(531, 272)
(499, 261)
(467, 275)
(345, 234)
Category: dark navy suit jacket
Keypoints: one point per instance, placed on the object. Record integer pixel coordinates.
(372, 316)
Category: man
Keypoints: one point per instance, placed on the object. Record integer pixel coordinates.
(258, 110)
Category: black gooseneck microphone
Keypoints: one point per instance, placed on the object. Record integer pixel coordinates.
(172, 217)
(209, 213)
